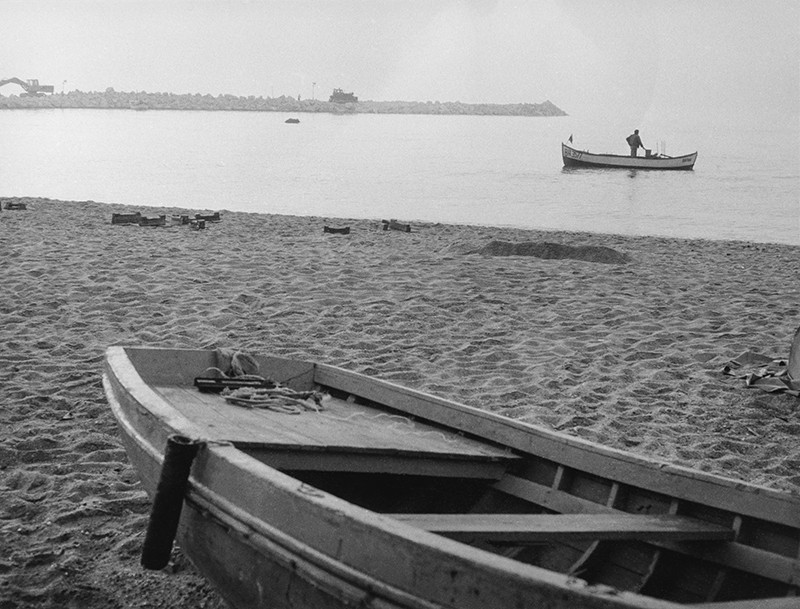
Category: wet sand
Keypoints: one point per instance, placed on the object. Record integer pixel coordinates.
(627, 353)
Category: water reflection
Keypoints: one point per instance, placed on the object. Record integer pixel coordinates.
(630, 172)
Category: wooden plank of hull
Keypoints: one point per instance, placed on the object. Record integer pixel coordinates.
(761, 603)
(379, 463)
(538, 528)
(579, 158)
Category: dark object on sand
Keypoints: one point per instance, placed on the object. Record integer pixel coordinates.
(179, 220)
(392, 497)
(587, 253)
(767, 373)
(126, 218)
(16, 205)
(154, 221)
(292, 121)
(345, 230)
(215, 217)
(581, 158)
(197, 224)
(395, 225)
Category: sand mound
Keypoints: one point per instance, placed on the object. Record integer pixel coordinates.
(557, 251)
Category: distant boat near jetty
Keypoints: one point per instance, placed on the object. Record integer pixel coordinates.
(583, 158)
(339, 96)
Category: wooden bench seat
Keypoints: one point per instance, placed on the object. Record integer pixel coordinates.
(538, 528)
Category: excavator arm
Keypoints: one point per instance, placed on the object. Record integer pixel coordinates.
(5, 81)
(31, 87)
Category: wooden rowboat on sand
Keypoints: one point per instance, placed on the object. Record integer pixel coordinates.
(582, 158)
(386, 497)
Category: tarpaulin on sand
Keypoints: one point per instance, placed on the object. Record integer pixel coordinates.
(766, 373)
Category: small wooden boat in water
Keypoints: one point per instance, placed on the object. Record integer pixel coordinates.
(387, 497)
(581, 158)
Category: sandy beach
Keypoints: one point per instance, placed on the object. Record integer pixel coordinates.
(626, 352)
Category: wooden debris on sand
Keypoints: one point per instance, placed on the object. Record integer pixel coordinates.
(395, 225)
(344, 230)
(126, 218)
(153, 221)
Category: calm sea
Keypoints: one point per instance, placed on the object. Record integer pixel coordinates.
(498, 171)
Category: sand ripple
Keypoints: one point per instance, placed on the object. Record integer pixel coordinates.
(625, 354)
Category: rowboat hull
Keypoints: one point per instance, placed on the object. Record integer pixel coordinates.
(394, 498)
(580, 158)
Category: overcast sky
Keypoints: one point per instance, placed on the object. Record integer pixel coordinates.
(686, 59)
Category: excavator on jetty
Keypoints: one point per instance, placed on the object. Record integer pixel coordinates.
(31, 86)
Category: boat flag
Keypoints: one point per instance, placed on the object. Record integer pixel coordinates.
(570, 138)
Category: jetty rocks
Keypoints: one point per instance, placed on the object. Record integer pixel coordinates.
(587, 253)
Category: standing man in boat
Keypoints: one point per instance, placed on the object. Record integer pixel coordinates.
(634, 141)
